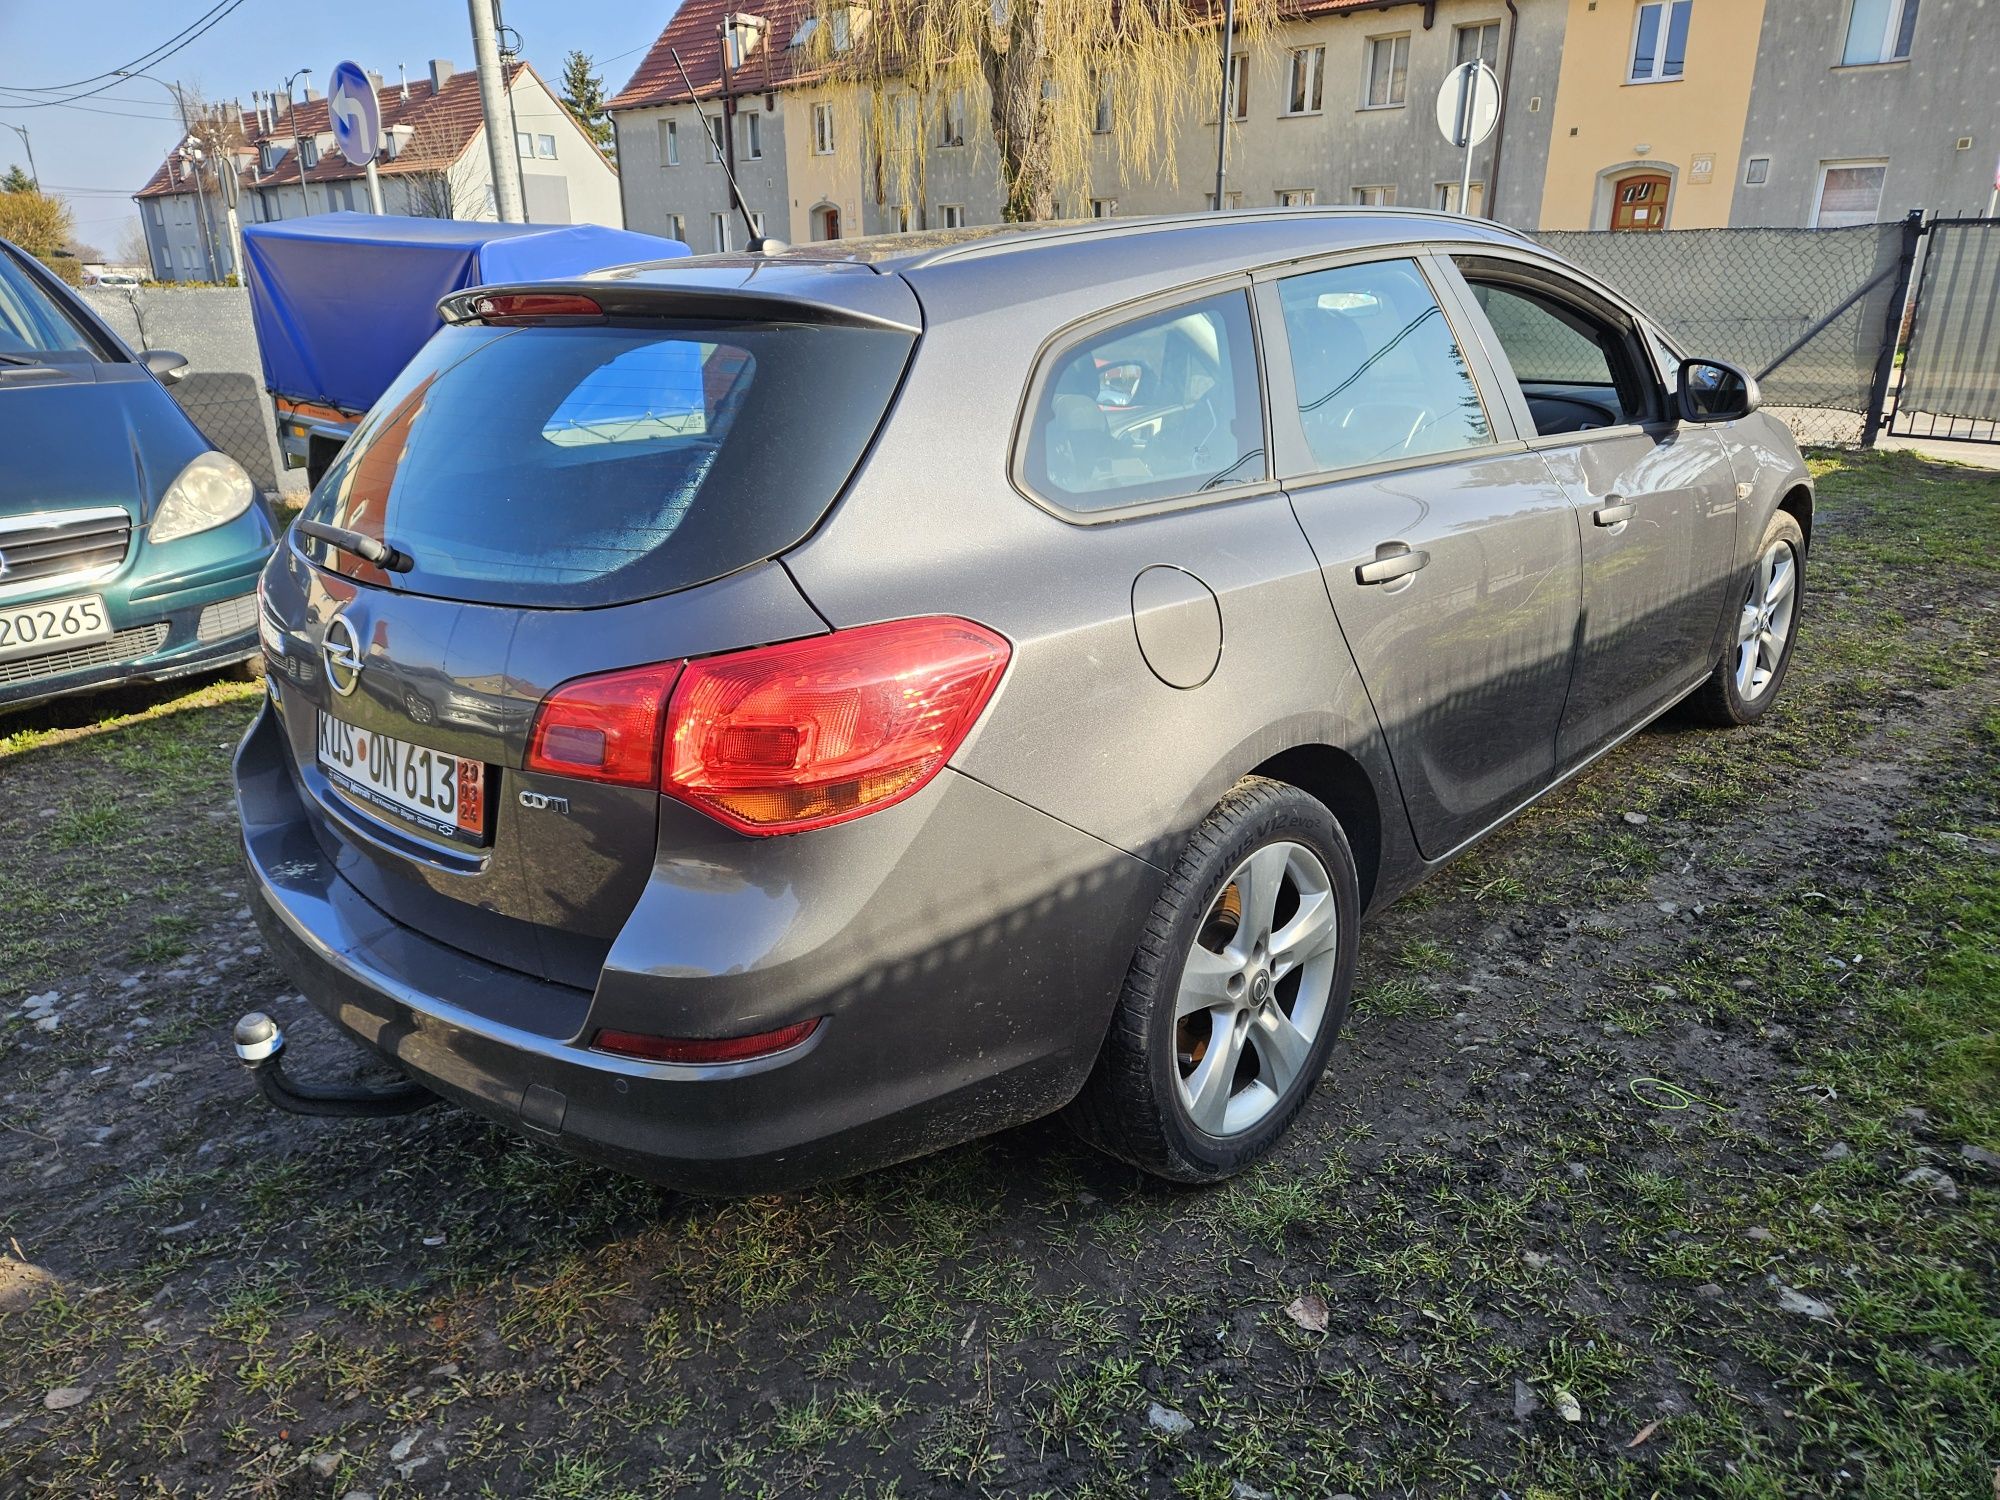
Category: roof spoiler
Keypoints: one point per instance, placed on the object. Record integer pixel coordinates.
(814, 297)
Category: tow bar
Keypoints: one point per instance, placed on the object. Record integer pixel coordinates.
(261, 1046)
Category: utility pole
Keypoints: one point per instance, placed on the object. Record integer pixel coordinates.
(493, 102)
(1222, 113)
(28, 146)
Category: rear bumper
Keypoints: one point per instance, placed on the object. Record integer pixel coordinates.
(930, 1037)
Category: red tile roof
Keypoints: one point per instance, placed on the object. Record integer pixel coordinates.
(696, 32)
(443, 123)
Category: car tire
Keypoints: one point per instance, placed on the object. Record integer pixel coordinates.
(1141, 1100)
(1743, 686)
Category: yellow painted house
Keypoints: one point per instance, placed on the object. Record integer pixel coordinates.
(1649, 113)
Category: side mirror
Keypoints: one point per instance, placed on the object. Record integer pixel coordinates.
(1712, 390)
(164, 365)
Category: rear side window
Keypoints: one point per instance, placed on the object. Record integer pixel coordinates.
(579, 466)
(1379, 374)
(1161, 408)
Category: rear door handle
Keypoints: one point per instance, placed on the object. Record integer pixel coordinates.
(1393, 560)
(1615, 514)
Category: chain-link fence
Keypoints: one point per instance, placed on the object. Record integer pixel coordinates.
(223, 390)
(1805, 310)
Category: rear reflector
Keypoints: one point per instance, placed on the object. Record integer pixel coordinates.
(797, 736)
(533, 307)
(703, 1049)
(604, 728)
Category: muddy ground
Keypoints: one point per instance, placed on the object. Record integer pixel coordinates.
(1656, 1162)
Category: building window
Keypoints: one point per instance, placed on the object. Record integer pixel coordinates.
(1481, 41)
(1388, 71)
(524, 143)
(1100, 123)
(670, 143)
(1879, 31)
(753, 135)
(720, 224)
(822, 130)
(677, 227)
(1296, 197)
(1383, 196)
(1308, 95)
(899, 217)
(1659, 41)
(1447, 199)
(545, 147)
(715, 138)
(309, 152)
(1103, 208)
(951, 122)
(902, 121)
(951, 216)
(1229, 200)
(1850, 192)
(1239, 85)
(1757, 171)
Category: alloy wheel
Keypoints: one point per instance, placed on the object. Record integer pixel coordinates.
(1255, 989)
(1765, 625)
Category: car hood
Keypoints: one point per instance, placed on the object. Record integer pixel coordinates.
(76, 441)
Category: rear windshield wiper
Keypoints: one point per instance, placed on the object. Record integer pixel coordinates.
(367, 548)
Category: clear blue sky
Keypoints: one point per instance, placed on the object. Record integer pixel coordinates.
(99, 151)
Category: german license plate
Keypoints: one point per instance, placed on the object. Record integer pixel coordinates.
(54, 625)
(442, 794)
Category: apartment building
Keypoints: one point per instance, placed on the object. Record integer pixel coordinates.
(1337, 108)
(282, 163)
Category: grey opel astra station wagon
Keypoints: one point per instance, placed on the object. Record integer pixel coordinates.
(749, 719)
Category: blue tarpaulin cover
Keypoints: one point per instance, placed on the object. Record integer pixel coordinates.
(341, 302)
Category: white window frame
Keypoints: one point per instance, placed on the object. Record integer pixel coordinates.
(720, 230)
(753, 135)
(1666, 8)
(1233, 198)
(1104, 208)
(899, 215)
(524, 144)
(1750, 166)
(670, 143)
(1102, 121)
(1373, 195)
(1394, 101)
(1239, 86)
(951, 216)
(1311, 99)
(1300, 197)
(677, 227)
(1445, 197)
(1826, 167)
(550, 142)
(823, 130)
(951, 121)
(1885, 45)
(714, 134)
(1479, 29)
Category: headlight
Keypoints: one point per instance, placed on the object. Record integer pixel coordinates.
(212, 489)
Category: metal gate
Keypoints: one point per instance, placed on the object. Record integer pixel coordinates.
(1950, 385)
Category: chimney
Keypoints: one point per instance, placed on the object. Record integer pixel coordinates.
(375, 81)
(441, 71)
(402, 82)
(311, 93)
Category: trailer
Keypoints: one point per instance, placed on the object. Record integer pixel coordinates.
(342, 301)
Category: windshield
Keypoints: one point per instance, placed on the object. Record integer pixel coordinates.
(30, 321)
(576, 466)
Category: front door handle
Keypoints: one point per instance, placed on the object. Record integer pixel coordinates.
(1617, 513)
(1393, 560)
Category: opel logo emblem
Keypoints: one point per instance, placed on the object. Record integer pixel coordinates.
(342, 650)
(1261, 989)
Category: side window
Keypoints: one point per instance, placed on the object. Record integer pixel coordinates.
(1378, 372)
(1578, 370)
(1161, 408)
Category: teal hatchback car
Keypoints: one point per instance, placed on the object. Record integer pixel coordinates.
(129, 547)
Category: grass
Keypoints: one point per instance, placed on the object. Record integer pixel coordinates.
(1497, 1205)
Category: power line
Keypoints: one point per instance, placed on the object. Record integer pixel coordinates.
(117, 75)
(143, 60)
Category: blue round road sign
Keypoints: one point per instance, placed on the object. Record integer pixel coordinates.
(356, 116)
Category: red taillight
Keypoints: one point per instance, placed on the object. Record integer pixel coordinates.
(703, 1049)
(604, 728)
(533, 307)
(786, 738)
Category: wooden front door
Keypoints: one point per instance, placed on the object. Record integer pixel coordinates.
(1639, 202)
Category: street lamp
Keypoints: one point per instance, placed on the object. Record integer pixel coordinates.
(27, 145)
(298, 142)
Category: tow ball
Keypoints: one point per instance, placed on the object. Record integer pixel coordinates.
(261, 1046)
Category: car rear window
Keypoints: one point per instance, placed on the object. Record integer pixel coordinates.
(579, 466)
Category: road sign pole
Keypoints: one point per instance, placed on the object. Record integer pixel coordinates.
(374, 188)
(1465, 114)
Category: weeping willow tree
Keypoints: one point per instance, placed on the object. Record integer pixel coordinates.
(1057, 74)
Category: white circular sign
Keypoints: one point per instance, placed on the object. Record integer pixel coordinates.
(356, 115)
(1468, 104)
